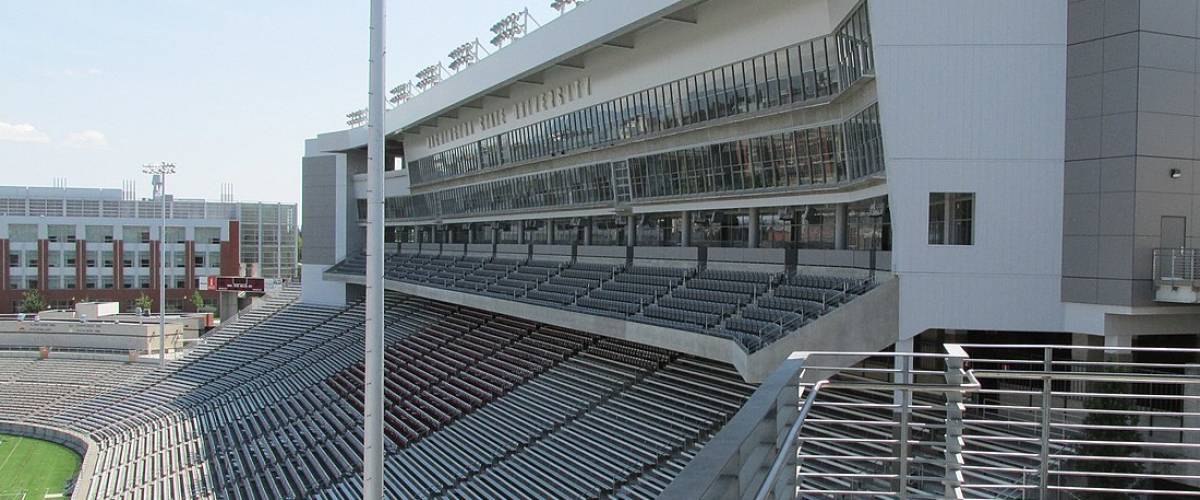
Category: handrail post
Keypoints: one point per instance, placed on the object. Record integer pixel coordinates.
(902, 441)
(955, 410)
(1044, 458)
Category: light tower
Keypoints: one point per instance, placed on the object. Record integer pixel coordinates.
(465, 55)
(512, 27)
(159, 173)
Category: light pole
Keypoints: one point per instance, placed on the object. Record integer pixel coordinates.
(160, 172)
(373, 322)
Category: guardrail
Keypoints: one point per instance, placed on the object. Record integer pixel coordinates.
(972, 421)
(1177, 266)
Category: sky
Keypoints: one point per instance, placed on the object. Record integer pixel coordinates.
(227, 90)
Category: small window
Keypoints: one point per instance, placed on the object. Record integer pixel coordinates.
(951, 218)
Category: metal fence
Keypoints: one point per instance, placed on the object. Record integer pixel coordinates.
(1177, 266)
(985, 421)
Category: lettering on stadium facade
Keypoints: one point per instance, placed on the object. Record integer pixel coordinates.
(542, 101)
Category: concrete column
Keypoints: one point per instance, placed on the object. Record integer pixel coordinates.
(630, 231)
(685, 222)
(227, 305)
(1117, 346)
(549, 231)
(521, 233)
(587, 231)
(839, 227)
(754, 223)
(471, 229)
(495, 233)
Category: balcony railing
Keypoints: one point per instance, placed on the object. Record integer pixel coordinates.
(1177, 275)
(1177, 266)
(973, 421)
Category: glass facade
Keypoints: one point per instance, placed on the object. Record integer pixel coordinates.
(608, 230)
(721, 228)
(868, 225)
(812, 70)
(819, 155)
(661, 229)
(788, 160)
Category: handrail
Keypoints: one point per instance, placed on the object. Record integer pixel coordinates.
(943, 424)
(794, 431)
(1177, 266)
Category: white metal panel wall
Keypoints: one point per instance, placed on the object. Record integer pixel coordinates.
(972, 99)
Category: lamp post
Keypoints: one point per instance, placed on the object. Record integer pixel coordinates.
(160, 172)
(373, 321)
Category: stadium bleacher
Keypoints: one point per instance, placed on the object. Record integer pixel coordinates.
(750, 307)
(478, 405)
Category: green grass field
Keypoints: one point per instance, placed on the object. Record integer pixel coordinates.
(34, 467)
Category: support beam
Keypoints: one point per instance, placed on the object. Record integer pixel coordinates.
(840, 226)
(619, 45)
(685, 223)
(682, 17)
(373, 323)
(565, 64)
(754, 233)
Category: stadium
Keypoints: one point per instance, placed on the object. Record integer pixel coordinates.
(711, 249)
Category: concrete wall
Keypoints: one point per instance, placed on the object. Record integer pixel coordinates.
(78, 443)
(324, 200)
(319, 192)
(1132, 114)
(125, 336)
(869, 323)
(971, 100)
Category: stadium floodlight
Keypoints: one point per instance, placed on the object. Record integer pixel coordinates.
(356, 118)
(465, 55)
(430, 76)
(160, 172)
(562, 5)
(401, 93)
(512, 27)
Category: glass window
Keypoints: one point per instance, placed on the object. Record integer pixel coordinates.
(721, 228)
(951, 218)
(22, 233)
(60, 233)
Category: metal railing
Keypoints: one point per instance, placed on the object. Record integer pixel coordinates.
(977, 421)
(1177, 266)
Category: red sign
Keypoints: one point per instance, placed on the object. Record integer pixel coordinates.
(237, 284)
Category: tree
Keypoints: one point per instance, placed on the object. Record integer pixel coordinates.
(144, 302)
(197, 300)
(32, 302)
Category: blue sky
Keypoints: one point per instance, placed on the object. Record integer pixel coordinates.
(228, 90)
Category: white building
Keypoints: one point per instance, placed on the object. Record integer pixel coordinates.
(73, 244)
(1014, 165)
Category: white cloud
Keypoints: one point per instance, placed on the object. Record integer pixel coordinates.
(86, 139)
(22, 132)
